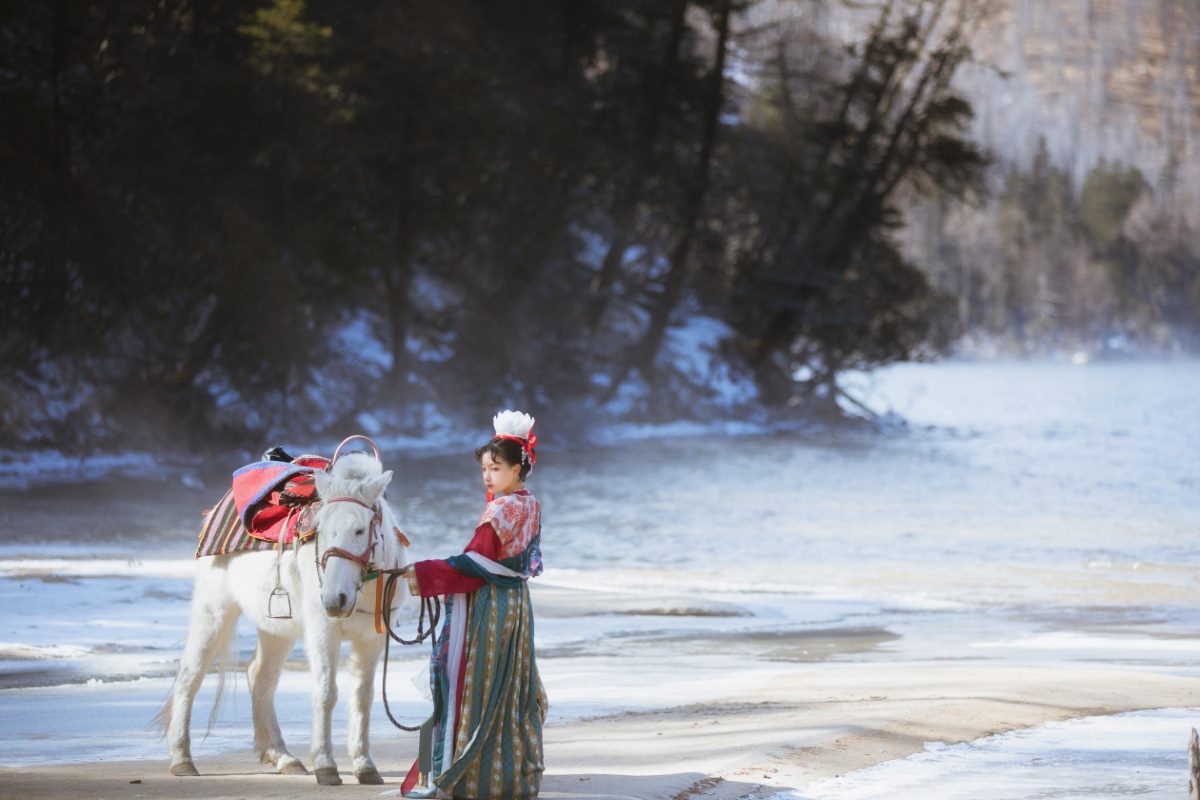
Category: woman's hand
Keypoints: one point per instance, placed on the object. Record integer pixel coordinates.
(410, 577)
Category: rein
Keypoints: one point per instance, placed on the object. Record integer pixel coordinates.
(365, 558)
(431, 614)
(385, 590)
(431, 607)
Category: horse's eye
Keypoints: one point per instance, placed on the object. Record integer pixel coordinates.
(358, 532)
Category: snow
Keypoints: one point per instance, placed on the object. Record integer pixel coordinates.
(22, 468)
(1124, 648)
(356, 340)
(1140, 754)
(694, 349)
(592, 246)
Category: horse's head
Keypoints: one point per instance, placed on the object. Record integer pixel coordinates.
(350, 531)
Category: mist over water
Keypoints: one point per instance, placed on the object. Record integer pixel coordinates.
(1033, 462)
(1037, 465)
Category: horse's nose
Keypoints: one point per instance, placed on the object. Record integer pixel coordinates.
(338, 605)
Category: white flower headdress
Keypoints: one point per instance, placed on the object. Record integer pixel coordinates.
(518, 427)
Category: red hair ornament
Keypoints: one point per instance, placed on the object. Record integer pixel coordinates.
(527, 445)
(516, 426)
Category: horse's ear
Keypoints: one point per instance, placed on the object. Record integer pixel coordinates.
(375, 488)
(322, 480)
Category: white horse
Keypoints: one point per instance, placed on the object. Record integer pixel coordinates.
(330, 603)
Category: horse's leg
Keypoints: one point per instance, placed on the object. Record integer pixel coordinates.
(364, 657)
(213, 621)
(263, 675)
(324, 647)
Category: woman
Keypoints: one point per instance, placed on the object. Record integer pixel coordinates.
(489, 704)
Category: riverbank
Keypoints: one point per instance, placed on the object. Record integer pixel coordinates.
(800, 725)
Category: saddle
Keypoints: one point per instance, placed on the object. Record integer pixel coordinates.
(276, 500)
(270, 504)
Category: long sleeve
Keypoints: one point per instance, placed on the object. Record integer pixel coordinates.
(437, 576)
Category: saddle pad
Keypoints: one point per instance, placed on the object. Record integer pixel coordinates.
(223, 532)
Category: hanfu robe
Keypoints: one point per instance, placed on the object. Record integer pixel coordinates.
(489, 704)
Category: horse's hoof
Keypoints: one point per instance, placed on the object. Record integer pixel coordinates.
(370, 776)
(293, 767)
(328, 776)
(184, 769)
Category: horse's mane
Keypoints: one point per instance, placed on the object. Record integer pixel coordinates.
(357, 466)
(391, 552)
(348, 477)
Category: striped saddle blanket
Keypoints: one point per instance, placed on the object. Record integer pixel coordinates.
(270, 504)
(223, 531)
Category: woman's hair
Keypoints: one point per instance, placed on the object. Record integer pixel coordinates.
(508, 451)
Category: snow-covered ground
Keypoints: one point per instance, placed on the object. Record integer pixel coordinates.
(1139, 754)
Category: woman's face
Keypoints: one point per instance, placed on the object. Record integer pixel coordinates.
(498, 476)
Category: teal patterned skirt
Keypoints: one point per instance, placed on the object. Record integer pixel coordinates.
(497, 738)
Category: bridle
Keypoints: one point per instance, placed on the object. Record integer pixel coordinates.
(431, 607)
(365, 560)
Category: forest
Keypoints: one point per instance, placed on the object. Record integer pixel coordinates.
(226, 220)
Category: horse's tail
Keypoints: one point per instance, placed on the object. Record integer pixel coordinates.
(1193, 766)
(225, 656)
(162, 720)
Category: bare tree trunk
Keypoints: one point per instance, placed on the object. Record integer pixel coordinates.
(397, 300)
(838, 243)
(780, 327)
(626, 205)
(397, 279)
(893, 83)
(860, 75)
(60, 45)
(642, 354)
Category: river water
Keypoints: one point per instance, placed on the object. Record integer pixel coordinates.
(1025, 511)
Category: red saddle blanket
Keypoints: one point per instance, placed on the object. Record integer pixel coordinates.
(270, 503)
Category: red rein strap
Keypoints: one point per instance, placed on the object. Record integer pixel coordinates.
(363, 559)
(351, 500)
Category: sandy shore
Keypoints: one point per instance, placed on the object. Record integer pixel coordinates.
(810, 722)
